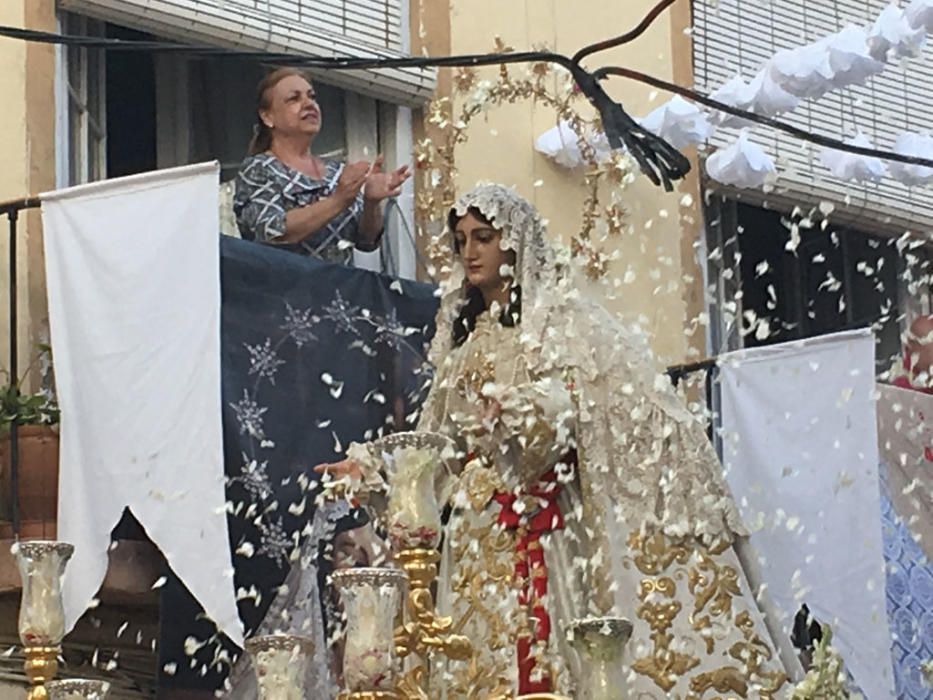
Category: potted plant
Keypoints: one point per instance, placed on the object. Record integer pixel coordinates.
(36, 418)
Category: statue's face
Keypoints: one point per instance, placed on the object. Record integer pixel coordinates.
(479, 246)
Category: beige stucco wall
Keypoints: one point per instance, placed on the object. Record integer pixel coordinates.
(27, 149)
(658, 250)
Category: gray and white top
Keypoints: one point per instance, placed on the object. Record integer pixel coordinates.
(267, 188)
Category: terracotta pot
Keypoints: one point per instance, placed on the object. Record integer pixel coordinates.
(38, 481)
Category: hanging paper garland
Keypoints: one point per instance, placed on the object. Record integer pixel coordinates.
(743, 164)
(851, 166)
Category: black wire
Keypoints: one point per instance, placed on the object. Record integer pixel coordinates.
(660, 161)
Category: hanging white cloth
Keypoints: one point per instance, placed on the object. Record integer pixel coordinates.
(800, 448)
(133, 272)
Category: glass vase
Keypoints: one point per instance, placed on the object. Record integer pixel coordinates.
(42, 612)
(281, 663)
(600, 643)
(417, 465)
(371, 599)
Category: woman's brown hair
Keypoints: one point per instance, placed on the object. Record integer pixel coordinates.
(262, 134)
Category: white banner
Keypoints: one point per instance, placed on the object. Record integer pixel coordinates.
(133, 276)
(801, 452)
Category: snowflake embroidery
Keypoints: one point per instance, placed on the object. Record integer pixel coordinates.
(391, 332)
(263, 360)
(342, 313)
(249, 416)
(298, 324)
(255, 479)
(275, 542)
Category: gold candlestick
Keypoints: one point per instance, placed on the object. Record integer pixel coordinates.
(41, 611)
(419, 465)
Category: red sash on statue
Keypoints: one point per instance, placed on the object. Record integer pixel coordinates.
(539, 514)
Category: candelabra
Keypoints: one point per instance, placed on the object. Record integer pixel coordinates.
(418, 465)
(41, 612)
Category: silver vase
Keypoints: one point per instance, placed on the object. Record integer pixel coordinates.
(281, 663)
(77, 689)
(600, 643)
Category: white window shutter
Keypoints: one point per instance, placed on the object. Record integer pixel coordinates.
(323, 28)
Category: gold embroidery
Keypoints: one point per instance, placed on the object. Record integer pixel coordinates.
(659, 608)
(721, 680)
(482, 586)
(709, 582)
(754, 653)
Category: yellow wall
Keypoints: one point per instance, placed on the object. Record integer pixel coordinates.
(27, 119)
(500, 146)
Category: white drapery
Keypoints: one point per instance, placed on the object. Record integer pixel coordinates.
(133, 276)
(800, 448)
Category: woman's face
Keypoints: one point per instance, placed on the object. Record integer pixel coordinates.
(477, 244)
(293, 108)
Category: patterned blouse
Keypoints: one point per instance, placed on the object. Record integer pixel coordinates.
(266, 188)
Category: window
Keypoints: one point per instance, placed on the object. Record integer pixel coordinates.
(84, 77)
(772, 286)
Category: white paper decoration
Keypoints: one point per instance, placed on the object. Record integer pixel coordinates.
(743, 164)
(561, 144)
(803, 72)
(920, 145)
(767, 97)
(734, 93)
(920, 15)
(892, 34)
(849, 59)
(853, 167)
(679, 122)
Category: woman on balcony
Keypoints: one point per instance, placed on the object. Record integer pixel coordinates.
(588, 489)
(285, 195)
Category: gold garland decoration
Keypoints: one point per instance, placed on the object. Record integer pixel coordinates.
(435, 158)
